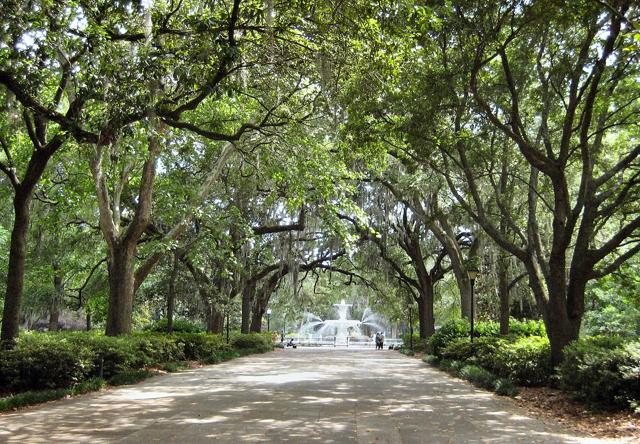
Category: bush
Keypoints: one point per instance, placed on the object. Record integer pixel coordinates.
(252, 341)
(179, 326)
(526, 360)
(603, 371)
(455, 329)
(419, 345)
(505, 387)
(63, 359)
(44, 365)
(431, 359)
(130, 377)
(199, 346)
(460, 328)
(478, 376)
(527, 328)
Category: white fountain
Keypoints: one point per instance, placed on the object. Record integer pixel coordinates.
(342, 328)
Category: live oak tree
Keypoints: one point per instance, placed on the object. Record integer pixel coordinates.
(552, 86)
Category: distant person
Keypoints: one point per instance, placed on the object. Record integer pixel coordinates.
(379, 341)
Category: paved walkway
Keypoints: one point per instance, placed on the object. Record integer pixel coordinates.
(303, 395)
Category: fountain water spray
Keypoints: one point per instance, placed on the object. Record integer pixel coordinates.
(341, 328)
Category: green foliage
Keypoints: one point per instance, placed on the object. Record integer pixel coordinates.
(613, 305)
(254, 341)
(31, 397)
(179, 326)
(419, 345)
(475, 374)
(478, 376)
(64, 359)
(42, 365)
(198, 346)
(173, 367)
(505, 387)
(528, 327)
(457, 328)
(131, 377)
(431, 359)
(603, 371)
(35, 397)
(525, 360)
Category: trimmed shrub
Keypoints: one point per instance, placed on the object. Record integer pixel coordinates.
(130, 377)
(458, 328)
(419, 345)
(525, 361)
(252, 341)
(179, 326)
(431, 359)
(603, 371)
(199, 346)
(45, 365)
(478, 376)
(505, 387)
(527, 328)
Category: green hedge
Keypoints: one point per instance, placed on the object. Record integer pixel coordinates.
(253, 341)
(475, 374)
(525, 360)
(603, 371)
(63, 359)
(45, 365)
(460, 328)
(179, 326)
(419, 344)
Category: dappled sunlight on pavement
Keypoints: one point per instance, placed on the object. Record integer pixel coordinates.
(302, 395)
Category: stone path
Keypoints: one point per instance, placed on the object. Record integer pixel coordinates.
(302, 395)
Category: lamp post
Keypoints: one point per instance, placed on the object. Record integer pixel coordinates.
(472, 272)
(268, 319)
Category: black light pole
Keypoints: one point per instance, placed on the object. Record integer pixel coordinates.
(268, 319)
(473, 272)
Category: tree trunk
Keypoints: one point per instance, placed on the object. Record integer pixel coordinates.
(18, 248)
(15, 272)
(56, 298)
(503, 293)
(425, 314)
(562, 328)
(256, 319)
(248, 294)
(88, 321)
(171, 295)
(121, 283)
(214, 319)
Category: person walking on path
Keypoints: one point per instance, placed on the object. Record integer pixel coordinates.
(379, 341)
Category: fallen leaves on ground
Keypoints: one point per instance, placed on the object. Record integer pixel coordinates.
(548, 403)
